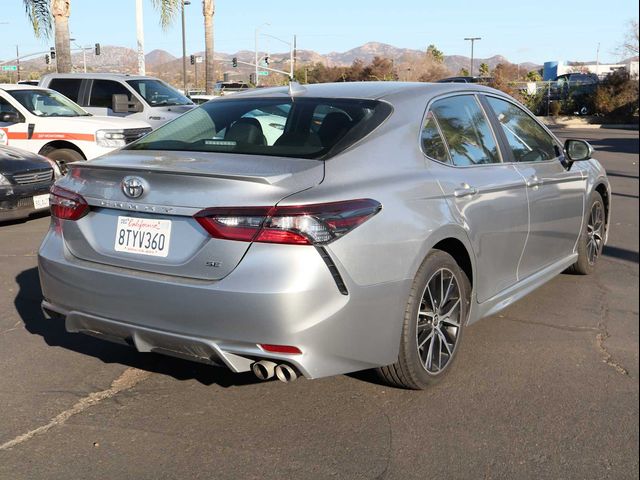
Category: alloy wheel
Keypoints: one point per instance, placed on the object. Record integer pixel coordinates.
(438, 322)
(595, 232)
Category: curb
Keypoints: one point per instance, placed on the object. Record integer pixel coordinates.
(583, 123)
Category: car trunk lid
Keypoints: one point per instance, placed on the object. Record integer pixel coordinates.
(175, 186)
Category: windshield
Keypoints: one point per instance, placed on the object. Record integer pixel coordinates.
(158, 93)
(303, 128)
(47, 103)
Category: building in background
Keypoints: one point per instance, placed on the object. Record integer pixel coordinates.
(554, 69)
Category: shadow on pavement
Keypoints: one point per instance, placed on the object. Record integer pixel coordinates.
(617, 145)
(27, 303)
(621, 253)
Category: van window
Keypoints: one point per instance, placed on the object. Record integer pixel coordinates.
(69, 87)
(102, 93)
(157, 93)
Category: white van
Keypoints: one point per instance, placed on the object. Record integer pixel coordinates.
(121, 95)
(45, 122)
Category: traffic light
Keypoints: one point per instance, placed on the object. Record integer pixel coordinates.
(252, 78)
(266, 60)
(47, 59)
(97, 49)
(52, 53)
(234, 61)
(192, 59)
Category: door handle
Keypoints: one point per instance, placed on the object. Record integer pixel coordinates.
(534, 181)
(466, 190)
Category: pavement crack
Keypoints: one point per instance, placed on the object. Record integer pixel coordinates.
(568, 328)
(12, 328)
(603, 335)
(127, 380)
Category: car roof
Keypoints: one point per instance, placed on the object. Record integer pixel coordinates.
(12, 86)
(101, 76)
(367, 90)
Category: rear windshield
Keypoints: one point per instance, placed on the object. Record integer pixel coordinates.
(314, 128)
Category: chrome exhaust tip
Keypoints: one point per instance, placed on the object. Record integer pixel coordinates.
(285, 373)
(264, 369)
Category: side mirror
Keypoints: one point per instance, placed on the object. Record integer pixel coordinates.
(577, 150)
(11, 117)
(121, 104)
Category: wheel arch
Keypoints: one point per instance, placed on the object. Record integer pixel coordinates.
(58, 144)
(453, 240)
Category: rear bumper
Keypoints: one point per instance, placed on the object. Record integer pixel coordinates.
(17, 201)
(278, 294)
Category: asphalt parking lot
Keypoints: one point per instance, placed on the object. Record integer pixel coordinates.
(546, 389)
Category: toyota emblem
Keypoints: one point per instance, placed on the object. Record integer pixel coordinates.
(132, 187)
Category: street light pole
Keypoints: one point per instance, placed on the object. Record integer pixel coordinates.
(472, 40)
(184, 49)
(256, 49)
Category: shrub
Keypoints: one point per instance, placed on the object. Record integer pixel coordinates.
(617, 97)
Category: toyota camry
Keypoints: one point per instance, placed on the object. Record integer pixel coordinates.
(364, 225)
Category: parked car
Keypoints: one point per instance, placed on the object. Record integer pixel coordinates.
(466, 79)
(227, 88)
(412, 211)
(42, 121)
(140, 98)
(25, 180)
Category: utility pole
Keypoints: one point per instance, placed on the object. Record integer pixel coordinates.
(295, 54)
(598, 60)
(184, 49)
(472, 40)
(18, 61)
(140, 38)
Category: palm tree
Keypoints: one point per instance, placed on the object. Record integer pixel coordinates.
(170, 9)
(208, 10)
(39, 13)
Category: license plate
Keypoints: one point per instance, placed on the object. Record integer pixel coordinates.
(41, 201)
(143, 236)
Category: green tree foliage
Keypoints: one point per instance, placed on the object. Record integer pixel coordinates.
(436, 54)
(463, 72)
(534, 76)
(617, 97)
(484, 70)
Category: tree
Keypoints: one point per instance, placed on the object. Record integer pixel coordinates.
(534, 76)
(39, 13)
(463, 72)
(484, 70)
(434, 53)
(208, 10)
(169, 10)
(629, 46)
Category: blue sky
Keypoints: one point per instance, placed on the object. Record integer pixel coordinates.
(534, 30)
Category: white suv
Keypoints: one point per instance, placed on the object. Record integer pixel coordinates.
(42, 121)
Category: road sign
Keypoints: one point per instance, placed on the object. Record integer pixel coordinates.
(199, 59)
(9, 68)
(263, 73)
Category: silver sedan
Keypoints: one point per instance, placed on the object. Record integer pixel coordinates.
(322, 229)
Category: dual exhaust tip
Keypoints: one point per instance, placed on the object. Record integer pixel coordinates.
(265, 369)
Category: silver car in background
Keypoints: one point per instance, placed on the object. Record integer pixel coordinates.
(380, 221)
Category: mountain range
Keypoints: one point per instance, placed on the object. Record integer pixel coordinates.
(166, 65)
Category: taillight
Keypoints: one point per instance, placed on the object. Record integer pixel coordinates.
(295, 225)
(66, 204)
(291, 350)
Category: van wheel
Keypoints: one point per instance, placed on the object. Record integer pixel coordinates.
(62, 156)
(436, 313)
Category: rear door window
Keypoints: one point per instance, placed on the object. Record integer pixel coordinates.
(102, 93)
(529, 142)
(466, 130)
(69, 87)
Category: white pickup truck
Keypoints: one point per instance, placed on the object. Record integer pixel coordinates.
(46, 122)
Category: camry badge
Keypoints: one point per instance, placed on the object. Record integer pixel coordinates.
(132, 187)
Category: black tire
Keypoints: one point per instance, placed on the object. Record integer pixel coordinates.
(411, 370)
(586, 263)
(62, 156)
